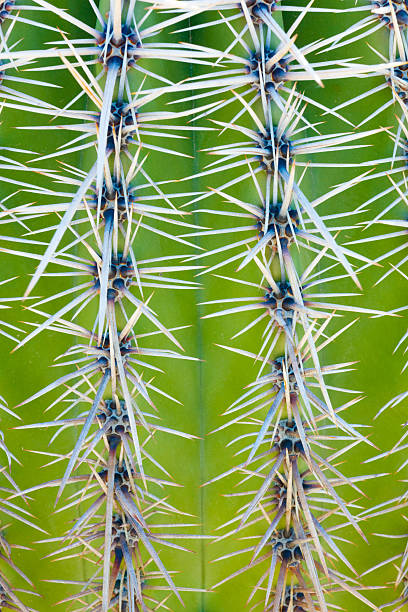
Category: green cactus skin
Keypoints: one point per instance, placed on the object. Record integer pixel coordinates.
(207, 387)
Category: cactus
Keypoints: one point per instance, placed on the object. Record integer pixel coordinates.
(197, 199)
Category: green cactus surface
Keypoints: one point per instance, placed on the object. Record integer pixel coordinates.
(204, 282)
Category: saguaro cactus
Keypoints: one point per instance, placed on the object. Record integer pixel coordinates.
(194, 194)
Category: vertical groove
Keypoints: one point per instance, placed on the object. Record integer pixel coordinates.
(201, 373)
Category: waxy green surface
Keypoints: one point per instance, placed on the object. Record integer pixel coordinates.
(206, 388)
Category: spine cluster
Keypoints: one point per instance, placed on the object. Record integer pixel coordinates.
(282, 424)
(100, 220)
